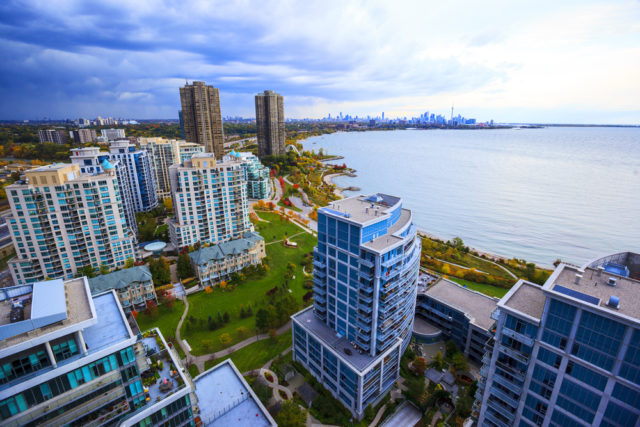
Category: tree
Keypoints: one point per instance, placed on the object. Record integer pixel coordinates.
(272, 334)
(152, 309)
(129, 263)
(459, 362)
(87, 270)
(291, 415)
(446, 269)
(104, 269)
(438, 361)
(225, 339)
(184, 267)
(168, 204)
(242, 331)
(226, 317)
(160, 272)
(451, 348)
(262, 319)
(207, 345)
(369, 413)
(419, 364)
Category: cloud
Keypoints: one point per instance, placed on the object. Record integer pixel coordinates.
(72, 58)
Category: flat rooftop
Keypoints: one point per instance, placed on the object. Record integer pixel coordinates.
(225, 399)
(476, 305)
(528, 298)
(423, 327)
(388, 239)
(111, 327)
(78, 309)
(331, 339)
(593, 289)
(363, 209)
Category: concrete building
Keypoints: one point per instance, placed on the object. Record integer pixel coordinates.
(112, 134)
(270, 124)
(218, 262)
(256, 175)
(82, 136)
(56, 136)
(70, 358)
(365, 271)
(62, 221)
(209, 201)
(566, 353)
(202, 117)
(457, 313)
(134, 286)
(165, 153)
(90, 160)
(140, 177)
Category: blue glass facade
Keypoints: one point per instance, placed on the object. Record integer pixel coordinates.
(576, 364)
(365, 291)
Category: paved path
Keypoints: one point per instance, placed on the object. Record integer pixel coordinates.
(275, 386)
(406, 415)
(435, 418)
(328, 180)
(376, 420)
(458, 265)
(288, 237)
(498, 265)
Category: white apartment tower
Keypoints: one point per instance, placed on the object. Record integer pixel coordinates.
(141, 179)
(209, 201)
(62, 221)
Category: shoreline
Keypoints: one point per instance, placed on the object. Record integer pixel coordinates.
(339, 191)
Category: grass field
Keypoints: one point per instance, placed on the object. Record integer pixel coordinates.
(166, 320)
(492, 291)
(257, 354)
(252, 291)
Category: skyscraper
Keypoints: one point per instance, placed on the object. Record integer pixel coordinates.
(209, 201)
(270, 124)
(566, 353)
(63, 221)
(201, 117)
(365, 272)
(141, 179)
(53, 135)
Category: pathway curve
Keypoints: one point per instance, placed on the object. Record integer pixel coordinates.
(376, 420)
(498, 265)
(188, 356)
(275, 386)
(288, 237)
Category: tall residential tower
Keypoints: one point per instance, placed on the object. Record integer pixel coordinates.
(202, 118)
(270, 124)
(365, 272)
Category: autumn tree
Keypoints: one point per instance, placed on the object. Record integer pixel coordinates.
(225, 339)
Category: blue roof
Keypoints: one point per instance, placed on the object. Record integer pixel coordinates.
(106, 165)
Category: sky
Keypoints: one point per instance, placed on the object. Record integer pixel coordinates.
(511, 61)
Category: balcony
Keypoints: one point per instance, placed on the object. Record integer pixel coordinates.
(518, 336)
(493, 419)
(319, 264)
(512, 370)
(364, 326)
(391, 261)
(365, 308)
(515, 354)
(320, 299)
(508, 410)
(497, 378)
(366, 263)
(317, 291)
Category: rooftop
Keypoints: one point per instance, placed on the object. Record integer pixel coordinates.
(423, 327)
(478, 307)
(44, 317)
(362, 209)
(389, 239)
(527, 298)
(225, 399)
(111, 327)
(591, 286)
(225, 249)
(119, 279)
(342, 346)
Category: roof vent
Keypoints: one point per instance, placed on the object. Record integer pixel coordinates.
(612, 281)
(614, 301)
(600, 270)
(578, 277)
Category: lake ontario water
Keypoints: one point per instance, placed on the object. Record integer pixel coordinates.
(539, 194)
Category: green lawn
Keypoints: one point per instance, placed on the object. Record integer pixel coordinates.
(257, 354)
(289, 208)
(252, 291)
(492, 291)
(166, 320)
(5, 260)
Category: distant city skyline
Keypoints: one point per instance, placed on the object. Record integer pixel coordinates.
(569, 62)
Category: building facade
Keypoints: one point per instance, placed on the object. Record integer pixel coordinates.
(62, 221)
(165, 153)
(209, 201)
(112, 134)
(270, 124)
(140, 177)
(82, 136)
(460, 314)
(256, 175)
(365, 271)
(566, 353)
(202, 118)
(218, 262)
(74, 360)
(91, 161)
(53, 135)
(134, 286)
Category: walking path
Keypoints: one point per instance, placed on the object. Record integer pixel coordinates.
(289, 237)
(498, 265)
(376, 420)
(458, 265)
(275, 386)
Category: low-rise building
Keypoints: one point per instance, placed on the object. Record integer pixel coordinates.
(459, 313)
(215, 263)
(134, 286)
